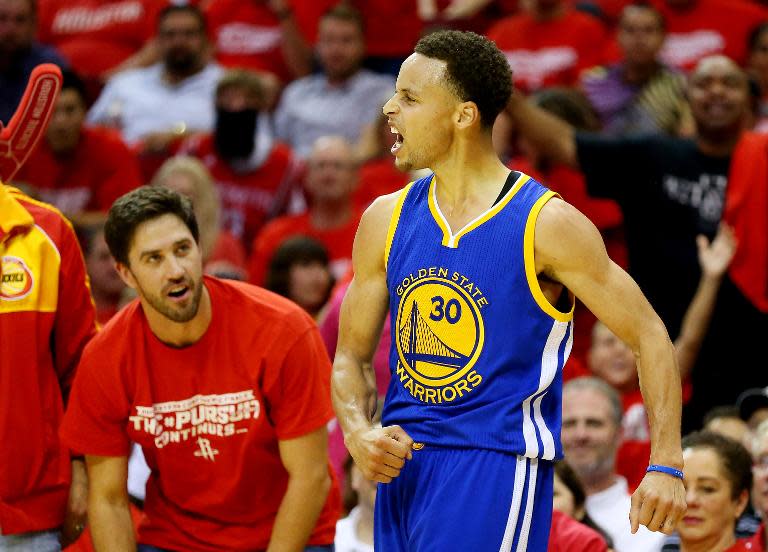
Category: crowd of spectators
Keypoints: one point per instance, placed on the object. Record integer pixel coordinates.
(651, 117)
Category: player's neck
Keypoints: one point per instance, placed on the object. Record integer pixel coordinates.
(181, 334)
(470, 172)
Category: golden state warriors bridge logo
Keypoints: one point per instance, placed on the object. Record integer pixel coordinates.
(440, 334)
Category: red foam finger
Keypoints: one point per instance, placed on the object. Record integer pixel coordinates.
(22, 133)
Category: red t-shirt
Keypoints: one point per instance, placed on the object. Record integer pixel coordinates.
(338, 241)
(248, 199)
(568, 535)
(549, 53)
(208, 416)
(248, 35)
(91, 178)
(710, 27)
(97, 35)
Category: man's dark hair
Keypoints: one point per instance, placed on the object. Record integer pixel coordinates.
(346, 13)
(476, 69)
(182, 8)
(735, 458)
(138, 206)
(70, 80)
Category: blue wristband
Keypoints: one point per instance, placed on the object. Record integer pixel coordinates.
(674, 472)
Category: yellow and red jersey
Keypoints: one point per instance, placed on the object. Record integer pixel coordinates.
(46, 318)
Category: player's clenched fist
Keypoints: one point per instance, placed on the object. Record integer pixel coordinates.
(380, 452)
(658, 503)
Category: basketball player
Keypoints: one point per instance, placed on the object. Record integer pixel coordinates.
(478, 267)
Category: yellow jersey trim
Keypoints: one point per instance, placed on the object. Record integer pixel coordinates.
(449, 238)
(393, 222)
(530, 263)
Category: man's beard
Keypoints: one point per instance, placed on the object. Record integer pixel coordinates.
(183, 314)
(235, 133)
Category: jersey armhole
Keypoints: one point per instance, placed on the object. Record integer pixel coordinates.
(530, 263)
(393, 221)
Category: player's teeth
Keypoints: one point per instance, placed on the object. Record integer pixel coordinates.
(393, 130)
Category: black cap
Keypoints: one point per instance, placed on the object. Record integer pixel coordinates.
(752, 400)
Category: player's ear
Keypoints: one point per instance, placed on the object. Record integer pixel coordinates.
(466, 114)
(126, 275)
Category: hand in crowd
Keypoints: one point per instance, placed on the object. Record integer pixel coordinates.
(380, 452)
(716, 256)
(658, 503)
(77, 505)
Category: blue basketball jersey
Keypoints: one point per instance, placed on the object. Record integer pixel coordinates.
(477, 349)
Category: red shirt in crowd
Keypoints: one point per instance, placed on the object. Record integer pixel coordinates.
(709, 27)
(568, 535)
(755, 543)
(381, 38)
(549, 53)
(208, 416)
(91, 178)
(46, 318)
(377, 177)
(97, 35)
(247, 35)
(337, 241)
(248, 199)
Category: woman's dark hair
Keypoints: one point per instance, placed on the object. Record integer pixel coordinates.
(570, 479)
(734, 457)
(138, 206)
(299, 250)
(476, 70)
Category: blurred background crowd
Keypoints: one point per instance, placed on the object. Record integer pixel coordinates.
(647, 116)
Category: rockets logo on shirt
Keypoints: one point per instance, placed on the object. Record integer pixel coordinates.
(15, 279)
(190, 420)
(439, 334)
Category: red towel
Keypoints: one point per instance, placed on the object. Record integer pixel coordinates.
(746, 210)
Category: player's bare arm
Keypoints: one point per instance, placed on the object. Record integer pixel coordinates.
(568, 249)
(378, 452)
(305, 459)
(108, 506)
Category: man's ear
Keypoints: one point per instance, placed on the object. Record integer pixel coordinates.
(126, 275)
(466, 115)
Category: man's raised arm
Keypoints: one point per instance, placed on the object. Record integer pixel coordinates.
(378, 452)
(569, 249)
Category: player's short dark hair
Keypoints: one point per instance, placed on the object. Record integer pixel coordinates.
(182, 8)
(476, 69)
(138, 206)
(735, 458)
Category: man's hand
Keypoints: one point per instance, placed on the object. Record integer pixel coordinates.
(380, 452)
(658, 503)
(77, 505)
